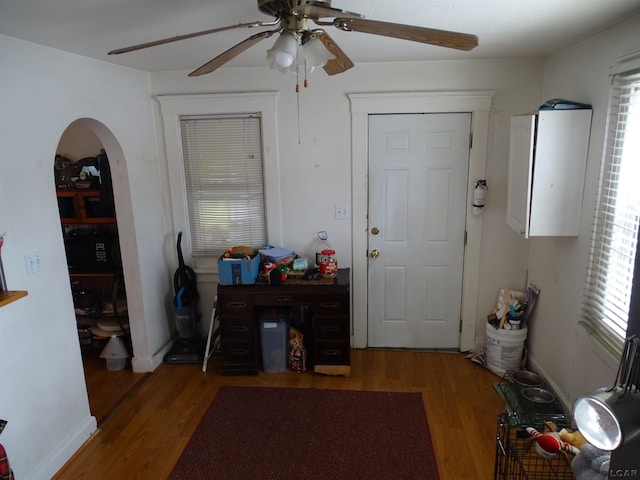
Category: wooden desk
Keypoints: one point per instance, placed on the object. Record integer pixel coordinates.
(239, 308)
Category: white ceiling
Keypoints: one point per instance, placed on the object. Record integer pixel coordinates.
(506, 28)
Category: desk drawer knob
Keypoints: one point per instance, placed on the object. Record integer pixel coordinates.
(330, 329)
(331, 353)
(330, 304)
(283, 299)
(237, 305)
(240, 351)
(238, 329)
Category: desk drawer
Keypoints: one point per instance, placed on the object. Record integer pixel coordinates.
(331, 328)
(243, 329)
(274, 299)
(236, 306)
(331, 353)
(239, 352)
(337, 304)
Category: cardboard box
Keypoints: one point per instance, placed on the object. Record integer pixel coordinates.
(239, 272)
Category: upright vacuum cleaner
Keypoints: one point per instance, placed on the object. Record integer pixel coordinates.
(189, 347)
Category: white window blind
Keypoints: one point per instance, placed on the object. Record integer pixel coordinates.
(223, 170)
(614, 241)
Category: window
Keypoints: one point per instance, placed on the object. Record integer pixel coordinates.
(219, 106)
(224, 182)
(614, 242)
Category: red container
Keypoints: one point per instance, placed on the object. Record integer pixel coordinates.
(328, 266)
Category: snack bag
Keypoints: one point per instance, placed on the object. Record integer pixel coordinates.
(296, 351)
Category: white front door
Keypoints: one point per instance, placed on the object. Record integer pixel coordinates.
(418, 168)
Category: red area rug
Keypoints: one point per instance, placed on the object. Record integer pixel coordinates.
(286, 433)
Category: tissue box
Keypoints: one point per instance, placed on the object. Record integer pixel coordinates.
(238, 271)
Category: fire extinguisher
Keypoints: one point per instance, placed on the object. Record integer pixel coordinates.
(479, 194)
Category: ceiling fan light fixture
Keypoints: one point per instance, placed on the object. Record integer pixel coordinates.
(283, 53)
(293, 18)
(316, 54)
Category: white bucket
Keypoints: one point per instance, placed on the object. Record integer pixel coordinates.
(504, 349)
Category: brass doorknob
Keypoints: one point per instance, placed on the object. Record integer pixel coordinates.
(375, 231)
(374, 253)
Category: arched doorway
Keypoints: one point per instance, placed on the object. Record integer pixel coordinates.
(92, 234)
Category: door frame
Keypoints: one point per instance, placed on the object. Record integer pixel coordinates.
(478, 103)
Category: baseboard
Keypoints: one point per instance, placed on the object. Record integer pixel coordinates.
(66, 450)
(149, 364)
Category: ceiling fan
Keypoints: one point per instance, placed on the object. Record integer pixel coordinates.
(293, 17)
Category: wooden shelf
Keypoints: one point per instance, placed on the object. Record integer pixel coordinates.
(84, 207)
(9, 296)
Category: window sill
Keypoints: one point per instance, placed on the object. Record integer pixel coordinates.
(9, 296)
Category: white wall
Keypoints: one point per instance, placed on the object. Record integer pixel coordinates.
(316, 171)
(43, 394)
(558, 345)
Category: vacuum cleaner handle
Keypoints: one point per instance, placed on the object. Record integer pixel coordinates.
(179, 248)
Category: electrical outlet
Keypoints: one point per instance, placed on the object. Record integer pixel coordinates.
(33, 262)
(342, 211)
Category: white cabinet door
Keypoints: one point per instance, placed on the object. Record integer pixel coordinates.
(547, 161)
(558, 178)
(521, 148)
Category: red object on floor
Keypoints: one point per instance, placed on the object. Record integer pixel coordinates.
(5, 469)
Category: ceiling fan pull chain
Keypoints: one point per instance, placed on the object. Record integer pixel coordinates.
(298, 101)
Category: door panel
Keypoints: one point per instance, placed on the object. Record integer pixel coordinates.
(418, 168)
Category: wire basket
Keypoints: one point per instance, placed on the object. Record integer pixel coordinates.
(516, 457)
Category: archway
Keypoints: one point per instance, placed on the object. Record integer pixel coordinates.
(96, 222)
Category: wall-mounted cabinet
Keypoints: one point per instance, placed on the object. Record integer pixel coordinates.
(547, 161)
(85, 206)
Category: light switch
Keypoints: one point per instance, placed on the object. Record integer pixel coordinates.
(33, 262)
(342, 211)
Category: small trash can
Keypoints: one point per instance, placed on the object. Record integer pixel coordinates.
(273, 338)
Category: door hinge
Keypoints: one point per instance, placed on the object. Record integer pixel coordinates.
(465, 238)
(460, 327)
(470, 140)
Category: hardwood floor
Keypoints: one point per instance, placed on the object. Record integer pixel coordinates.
(145, 436)
(106, 389)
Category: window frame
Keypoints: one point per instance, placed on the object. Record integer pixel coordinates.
(594, 309)
(172, 108)
(224, 175)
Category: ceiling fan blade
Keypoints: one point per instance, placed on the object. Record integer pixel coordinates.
(230, 54)
(320, 10)
(339, 64)
(191, 35)
(442, 38)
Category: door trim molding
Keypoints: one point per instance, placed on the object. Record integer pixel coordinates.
(478, 103)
